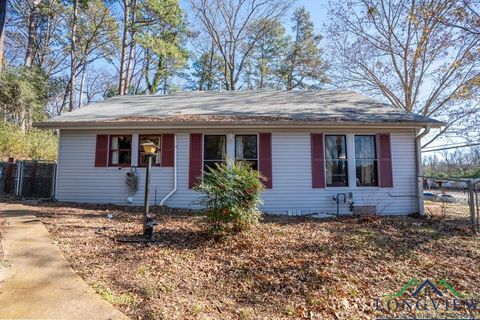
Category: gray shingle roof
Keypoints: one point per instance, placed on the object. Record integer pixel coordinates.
(325, 106)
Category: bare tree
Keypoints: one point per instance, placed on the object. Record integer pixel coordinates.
(46, 47)
(3, 18)
(97, 39)
(401, 51)
(73, 57)
(467, 17)
(230, 25)
(127, 54)
(97, 82)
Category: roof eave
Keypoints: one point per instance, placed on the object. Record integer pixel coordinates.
(88, 125)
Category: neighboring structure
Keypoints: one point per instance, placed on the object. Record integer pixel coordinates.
(311, 146)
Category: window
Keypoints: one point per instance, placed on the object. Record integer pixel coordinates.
(336, 161)
(120, 150)
(246, 150)
(214, 150)
(142, 159)
(366, 161)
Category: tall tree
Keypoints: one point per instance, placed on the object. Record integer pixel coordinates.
(466, 18)
(162, 36)
(73, 57)
(304, 66)
(3, 19)
(230, 26)
(22, 96)
(268, 54)
(32, 32)
(127, 45)
(36, 40)
(97, 39)
(44, 40)
(207, 70)
(401, 51)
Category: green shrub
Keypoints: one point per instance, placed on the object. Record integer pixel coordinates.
(232, 195)
(34, 144)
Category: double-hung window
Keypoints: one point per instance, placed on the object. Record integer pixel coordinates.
(366, 161)
(120, 150)
(157, 140)
(336, 161)
(214, 151)
(246, 150)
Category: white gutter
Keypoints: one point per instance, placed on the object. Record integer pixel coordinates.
(419, 168)
(175, 169)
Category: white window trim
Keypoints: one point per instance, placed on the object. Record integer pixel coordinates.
(351, 162)
(376, 159)
(135, 149)
(347, 138)
(234, 153)
(230, 156)
(203, 148)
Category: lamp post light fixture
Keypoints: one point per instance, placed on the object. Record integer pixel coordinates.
(148, 222)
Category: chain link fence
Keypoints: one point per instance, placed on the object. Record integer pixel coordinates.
(27, 179)
(453, 199)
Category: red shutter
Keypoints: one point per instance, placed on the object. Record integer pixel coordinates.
(195, 164)
(385, 160)
(265, 158)
(168, 150)
(101, 150)
(318, 160)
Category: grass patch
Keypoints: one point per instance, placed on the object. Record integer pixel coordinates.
(121, 299)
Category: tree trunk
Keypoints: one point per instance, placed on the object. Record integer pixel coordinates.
(211, 72)
(3, 15)
(23, 116)
(123, 58)
(82, 82)
(231, 78)
(157, 77)
(64, 99)
(32, 34)
(73, 59)
(131, 55)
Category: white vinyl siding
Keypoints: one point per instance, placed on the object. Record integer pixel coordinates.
(80, 181)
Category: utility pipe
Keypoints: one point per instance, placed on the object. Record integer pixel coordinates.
(419, 168)
(175, 169)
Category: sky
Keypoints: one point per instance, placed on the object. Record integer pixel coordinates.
(318, 10)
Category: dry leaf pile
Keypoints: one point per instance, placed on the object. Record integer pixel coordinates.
(285, 268)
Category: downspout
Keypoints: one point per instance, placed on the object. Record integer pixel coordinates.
(419, 168)
(175, 169)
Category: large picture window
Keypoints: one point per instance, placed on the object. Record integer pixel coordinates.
(157, 140)
(121, 150)
(246, 150)
(366, 161)
(214, 151)
(336, 161)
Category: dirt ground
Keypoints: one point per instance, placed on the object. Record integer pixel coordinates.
(2, 228)
(285, 268)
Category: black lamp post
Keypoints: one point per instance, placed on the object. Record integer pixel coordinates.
(148, 222)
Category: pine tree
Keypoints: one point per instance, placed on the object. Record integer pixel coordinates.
(162, 35)
(267, 56)
(304, 66)
(207, 71)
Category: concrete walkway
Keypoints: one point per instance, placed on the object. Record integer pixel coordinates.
(37, 281)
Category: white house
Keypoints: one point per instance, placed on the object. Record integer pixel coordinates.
(313, 147)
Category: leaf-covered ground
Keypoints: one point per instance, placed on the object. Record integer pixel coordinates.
(286, 268)
(2, 230)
